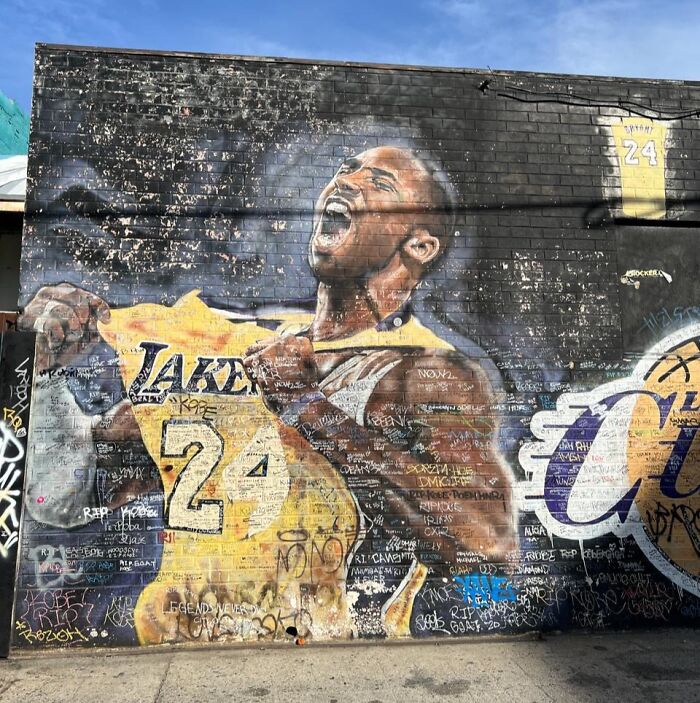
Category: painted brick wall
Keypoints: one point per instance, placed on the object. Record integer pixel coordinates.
(483, 414)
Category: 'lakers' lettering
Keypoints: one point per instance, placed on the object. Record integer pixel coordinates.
(220, 375)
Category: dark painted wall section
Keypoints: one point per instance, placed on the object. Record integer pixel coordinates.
(523, 459)
(16, 364)
(10, 248)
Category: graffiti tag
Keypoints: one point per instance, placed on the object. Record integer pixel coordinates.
(11, 452)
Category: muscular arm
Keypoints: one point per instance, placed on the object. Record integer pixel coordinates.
(81, 463)
(87, 432)
(429, 474)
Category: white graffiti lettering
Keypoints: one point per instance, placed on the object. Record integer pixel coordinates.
(11, 452)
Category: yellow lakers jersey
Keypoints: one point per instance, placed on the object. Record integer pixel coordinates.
(258, 526)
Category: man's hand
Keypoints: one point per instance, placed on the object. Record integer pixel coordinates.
(66, 319)
(284, 369)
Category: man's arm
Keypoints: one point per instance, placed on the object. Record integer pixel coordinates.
(438, 486)
(87, 430)
(458, 483)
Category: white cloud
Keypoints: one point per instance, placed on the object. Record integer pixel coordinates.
(641, 38)
(59, 21)
(647, 40)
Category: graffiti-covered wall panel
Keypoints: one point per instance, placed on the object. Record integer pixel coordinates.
(341, 351)
(16, 364)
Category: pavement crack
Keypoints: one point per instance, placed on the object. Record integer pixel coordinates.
(5, 687)
(162, 681)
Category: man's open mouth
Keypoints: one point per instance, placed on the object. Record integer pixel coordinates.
(335, 223)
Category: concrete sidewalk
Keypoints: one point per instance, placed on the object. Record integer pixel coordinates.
(649, 666)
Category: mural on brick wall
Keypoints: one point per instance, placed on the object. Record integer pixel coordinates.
(349, 362)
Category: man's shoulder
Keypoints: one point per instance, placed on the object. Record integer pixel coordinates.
(428, 362)
(443, 375)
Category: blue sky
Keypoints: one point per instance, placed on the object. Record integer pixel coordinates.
(644, 38)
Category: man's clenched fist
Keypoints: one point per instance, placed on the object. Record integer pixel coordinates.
(284, 368)
(65, 318)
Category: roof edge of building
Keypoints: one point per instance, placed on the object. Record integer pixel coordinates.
(356, 64)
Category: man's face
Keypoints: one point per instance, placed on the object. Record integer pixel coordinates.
(370, 207)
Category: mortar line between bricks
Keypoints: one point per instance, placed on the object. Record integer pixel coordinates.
(162, 681)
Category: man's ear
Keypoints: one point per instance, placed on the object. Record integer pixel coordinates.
(421, 246)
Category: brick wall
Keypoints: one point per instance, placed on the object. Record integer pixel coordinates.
(495, 429)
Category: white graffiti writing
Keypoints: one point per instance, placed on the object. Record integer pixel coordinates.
(52, 560)
(120, 612)
(11, 452)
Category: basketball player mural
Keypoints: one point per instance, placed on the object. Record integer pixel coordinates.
(292, 447)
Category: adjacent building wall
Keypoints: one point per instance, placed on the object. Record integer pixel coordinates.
(495, 431)
(14, 127)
